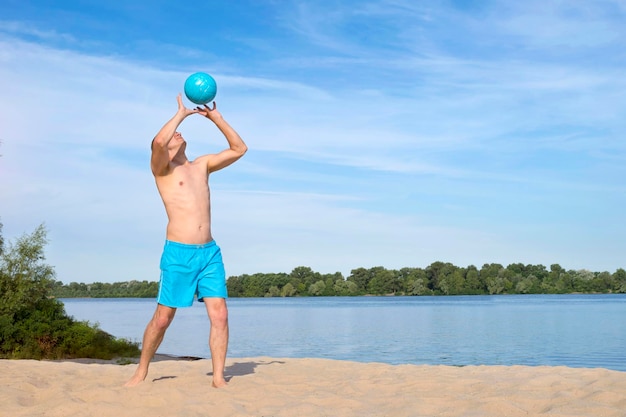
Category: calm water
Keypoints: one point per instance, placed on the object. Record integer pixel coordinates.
(570, 330)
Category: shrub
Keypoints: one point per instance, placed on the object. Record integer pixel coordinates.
(35, 326)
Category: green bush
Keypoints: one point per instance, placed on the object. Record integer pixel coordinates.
(35, 326)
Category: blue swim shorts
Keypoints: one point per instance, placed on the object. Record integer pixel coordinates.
(191, 270)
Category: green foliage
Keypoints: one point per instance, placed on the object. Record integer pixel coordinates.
(438, 278)
(46, 332)
(24, 278)
(32, 324)
(1, 240)
(317, 288)
(302, 281)
(128, 289)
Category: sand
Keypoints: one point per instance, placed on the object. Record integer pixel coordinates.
(306, 388)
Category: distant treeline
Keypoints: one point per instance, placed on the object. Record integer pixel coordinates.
(439, 278)
(130, 289)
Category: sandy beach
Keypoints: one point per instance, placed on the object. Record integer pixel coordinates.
(306, 388)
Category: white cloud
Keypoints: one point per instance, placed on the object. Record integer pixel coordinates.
(550, 24)
(22, 28)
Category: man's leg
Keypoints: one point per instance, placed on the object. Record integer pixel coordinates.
(152, 338)
(218, 338)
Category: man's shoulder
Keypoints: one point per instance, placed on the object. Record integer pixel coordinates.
(202, 161)
(203, 158)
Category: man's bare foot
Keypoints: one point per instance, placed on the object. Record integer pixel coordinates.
(135, 380)
(219, 383)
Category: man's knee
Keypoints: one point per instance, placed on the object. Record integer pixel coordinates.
(218, 313)
(162, 319)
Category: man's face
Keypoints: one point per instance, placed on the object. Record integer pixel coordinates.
(177, 141)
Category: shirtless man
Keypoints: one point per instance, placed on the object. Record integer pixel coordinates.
(191, 263)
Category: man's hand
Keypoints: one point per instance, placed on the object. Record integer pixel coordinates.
(182, 110)
(210, 113)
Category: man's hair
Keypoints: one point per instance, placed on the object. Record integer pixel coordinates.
(152, 144)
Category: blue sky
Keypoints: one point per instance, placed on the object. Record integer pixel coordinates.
(381, 133)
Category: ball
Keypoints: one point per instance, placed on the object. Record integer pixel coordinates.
(200, 88)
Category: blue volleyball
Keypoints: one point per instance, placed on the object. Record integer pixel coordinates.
(200, 88)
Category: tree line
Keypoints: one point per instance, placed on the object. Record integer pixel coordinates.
(438, 278)
(127, 289)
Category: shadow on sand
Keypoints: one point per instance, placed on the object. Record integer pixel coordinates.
(243, 368)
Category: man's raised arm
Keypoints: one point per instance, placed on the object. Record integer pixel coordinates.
(236, 146)
(160, 159)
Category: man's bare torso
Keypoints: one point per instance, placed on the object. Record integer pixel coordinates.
(186, 196)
